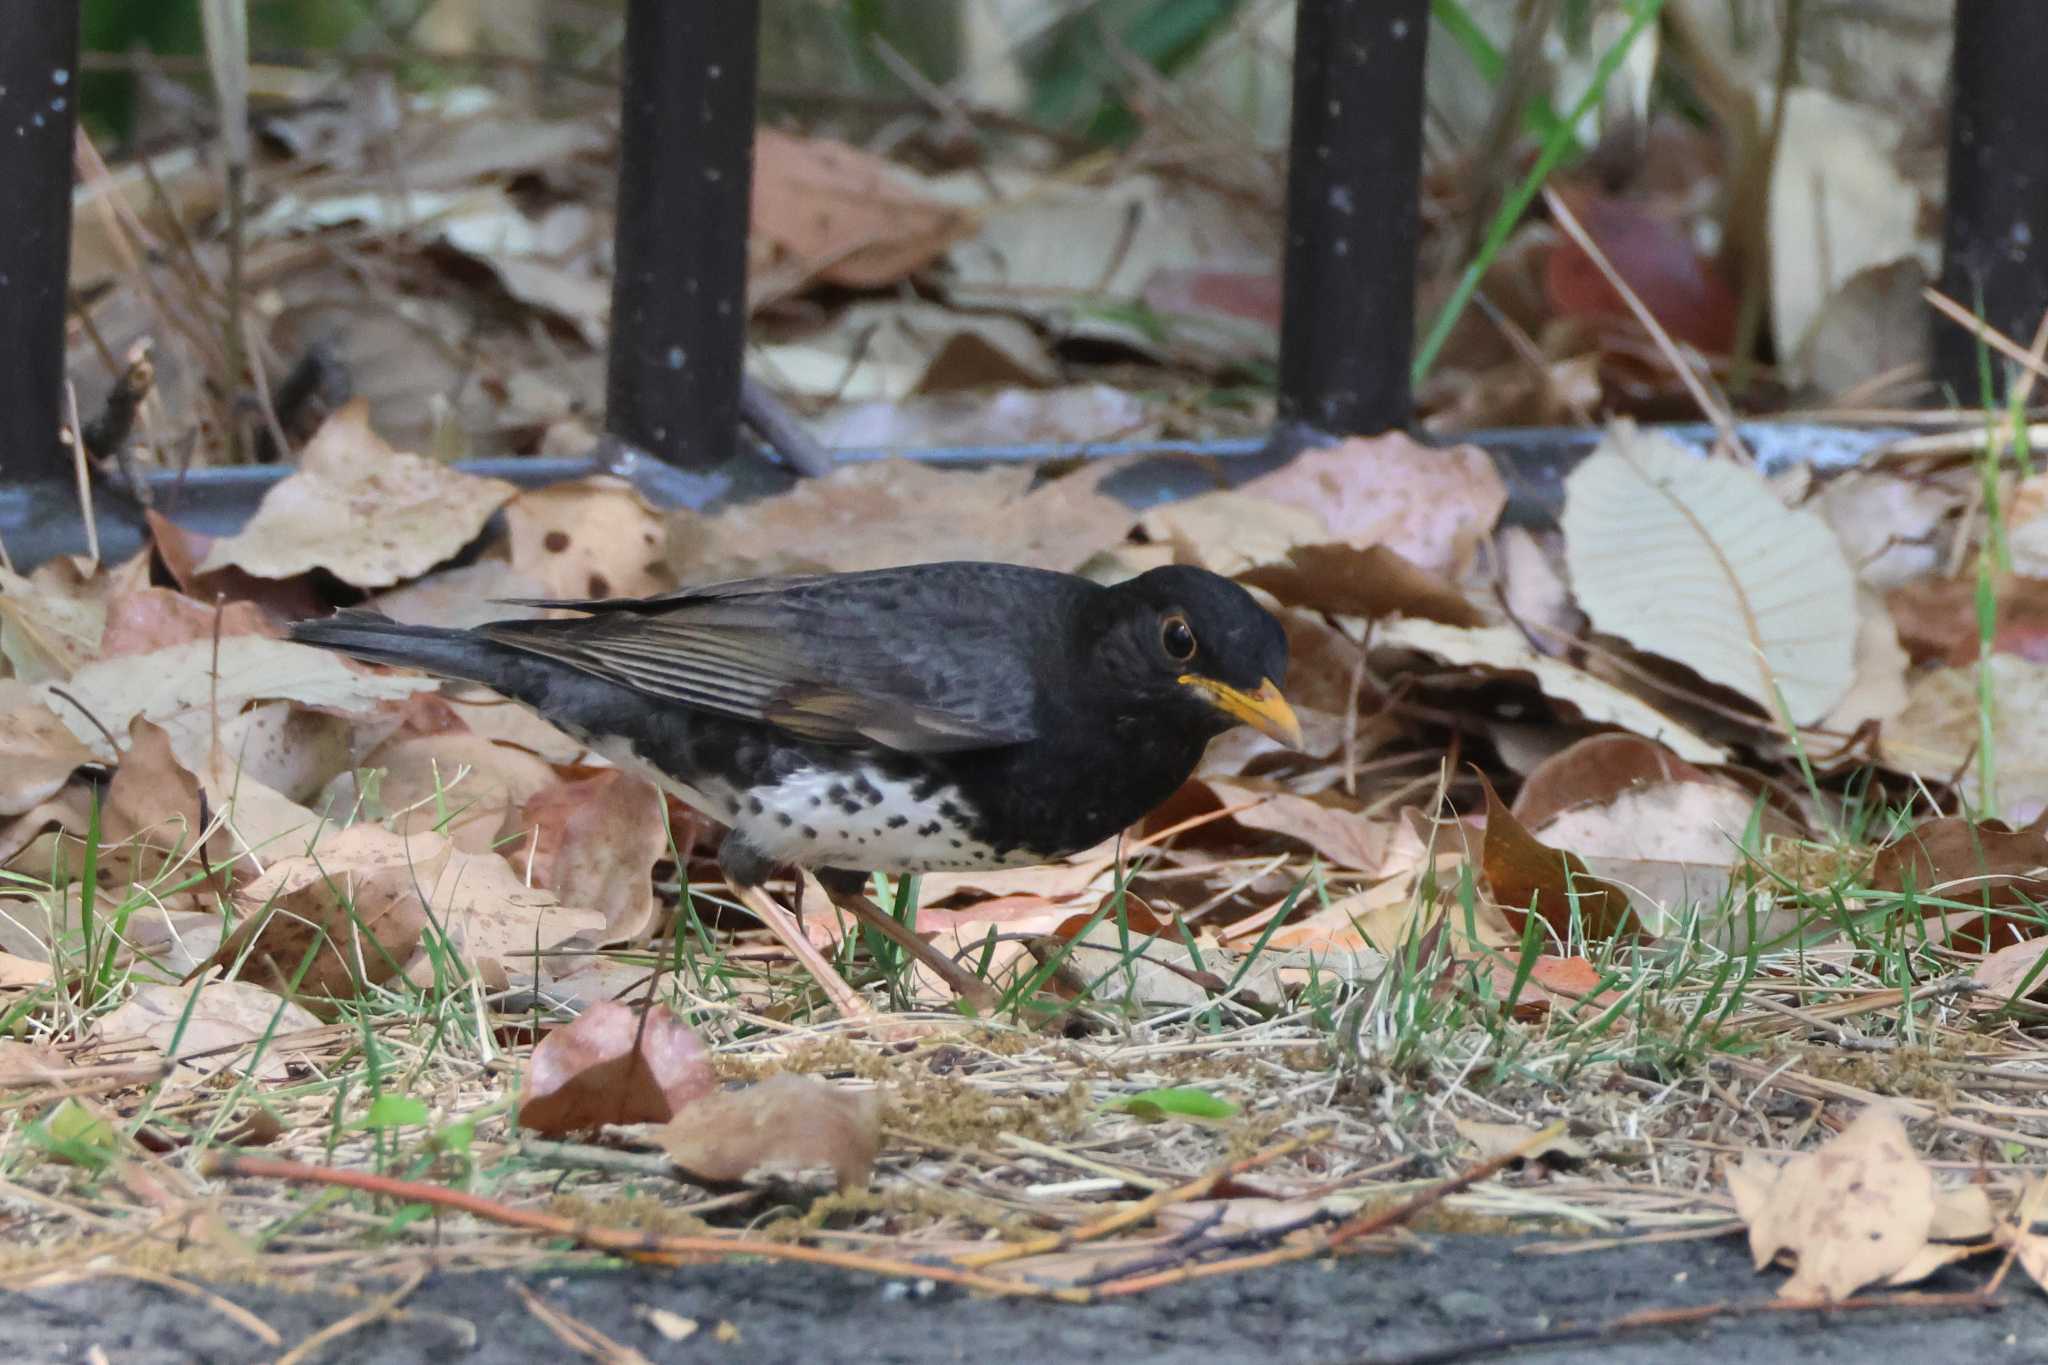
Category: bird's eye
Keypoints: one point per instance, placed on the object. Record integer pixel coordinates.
(1177, 639)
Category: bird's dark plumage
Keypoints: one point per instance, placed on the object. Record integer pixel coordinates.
(940, 715)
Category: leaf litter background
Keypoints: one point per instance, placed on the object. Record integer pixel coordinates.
(1676, 824)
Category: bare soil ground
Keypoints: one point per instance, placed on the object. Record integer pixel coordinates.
(1449, 1298)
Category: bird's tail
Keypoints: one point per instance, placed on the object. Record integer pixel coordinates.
(378, 639)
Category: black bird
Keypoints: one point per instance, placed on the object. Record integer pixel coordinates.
(958, 715)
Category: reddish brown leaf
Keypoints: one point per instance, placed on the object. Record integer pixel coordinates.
(1993, 865)
(613, 1065)
(1653, 253)
(785, 1121)
(157, 618)
(1374, 581)
(595, 843)
(1597, 768)
(832, 212)
(1527, 875)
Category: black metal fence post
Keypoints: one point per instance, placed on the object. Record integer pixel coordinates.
(679, 287)
(1354, 171)
(1995, 242)
(38, 111)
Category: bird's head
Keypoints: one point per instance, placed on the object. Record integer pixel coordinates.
(1201, 648)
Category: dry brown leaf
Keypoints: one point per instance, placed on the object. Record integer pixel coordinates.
(825, 211)
(461, 596)
(1858, 1210)
(1342, 834)
(2006, 974)
(349, 914)
(1430, 505)
(29, 1063)
(180, 689)
(1675, 847)
(1697, 561)
(785, 1122)
(1372, 582)
(595, 537)
(225, 1014)
(1936, 736)
(1597, 769)
(614, 1065)
(38, 752)
(46, 633)
(1232, 532)
(1497, 1139)
(1988, 864)
(458, 784)
(595, 842)
(156, 618)
(1525, 875)
(1503, 649)
(890, 512)
(367, 514)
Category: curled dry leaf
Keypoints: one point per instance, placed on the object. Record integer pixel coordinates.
(458, 784)
(1430, 505)
(1372, 582)
(2012, 973)
(784, 1122)
(1676, 846)
(1525, 875)
(868, 516)
(1344, 835)
(1502, 649)
(224, 1015)
(1936, 736)
(612, 1065)
(47, 633)
(38, 752)
(1988, 864)
(157, 618)
(595, 843)
(1594, 770)
(1233, 532)
(349, 914)
(825, 211)
(367, 514)
(593, 538)
(1860, 1209)
(1498, 1139)
(1696, 560)
(180, 689)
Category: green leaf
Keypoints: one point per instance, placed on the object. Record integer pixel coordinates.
(1182, 1101)
(75, 1134)
(394, 1111)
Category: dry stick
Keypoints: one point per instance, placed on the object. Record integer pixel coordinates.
(227, 1308)
(958, 979)
(1983, 331)
(1144, 1209)
(791, 935)
(1350, 1230)
(1712, 404)
(639, 1245)
(574, 1332)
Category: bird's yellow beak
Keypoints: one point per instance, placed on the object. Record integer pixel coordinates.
(1264, 710)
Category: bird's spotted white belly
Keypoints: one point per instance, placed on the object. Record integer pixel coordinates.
(819, 818)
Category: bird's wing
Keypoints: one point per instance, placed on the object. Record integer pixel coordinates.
(915, 662)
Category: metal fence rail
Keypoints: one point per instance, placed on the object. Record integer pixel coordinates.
(679, 311)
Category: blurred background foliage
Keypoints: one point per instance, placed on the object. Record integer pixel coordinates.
(1074, 57)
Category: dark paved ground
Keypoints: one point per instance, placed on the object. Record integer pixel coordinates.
(1441, 1306)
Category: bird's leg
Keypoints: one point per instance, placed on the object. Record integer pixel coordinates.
(847, 890)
